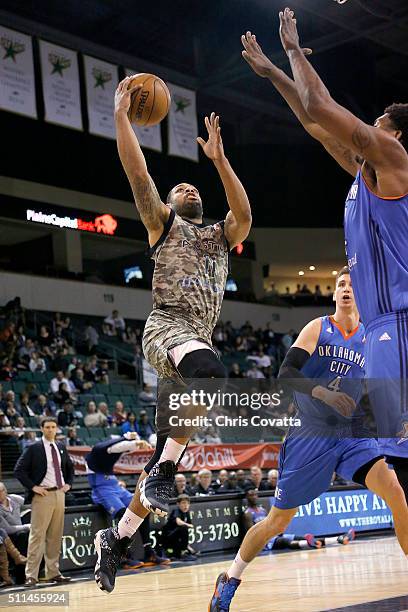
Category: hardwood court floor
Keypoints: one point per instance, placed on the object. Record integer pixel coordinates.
(303, 581)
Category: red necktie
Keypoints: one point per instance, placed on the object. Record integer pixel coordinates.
(57, 468)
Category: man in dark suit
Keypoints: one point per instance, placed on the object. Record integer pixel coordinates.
(47, 472)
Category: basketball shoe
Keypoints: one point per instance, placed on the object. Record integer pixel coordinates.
(224, 592)
(348, 537)
(312, 541)
(110, 549)
(157, 489)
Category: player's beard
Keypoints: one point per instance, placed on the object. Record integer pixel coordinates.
(190, 208)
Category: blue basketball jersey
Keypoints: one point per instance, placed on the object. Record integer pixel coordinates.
(376, 239)
(338, 361)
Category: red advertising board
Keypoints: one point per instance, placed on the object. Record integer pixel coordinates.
(210, 456)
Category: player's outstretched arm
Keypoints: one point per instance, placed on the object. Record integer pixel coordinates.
(238, 220)
(377, 146)
(153, 212)
(286, 86)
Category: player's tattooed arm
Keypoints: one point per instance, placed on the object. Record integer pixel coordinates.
(379, 147)
(153, 212)
(345, 157)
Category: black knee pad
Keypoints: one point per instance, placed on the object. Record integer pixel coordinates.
(201, 364)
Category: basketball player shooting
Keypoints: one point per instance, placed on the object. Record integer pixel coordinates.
(191, 268)
(326, 441)
(376, 225)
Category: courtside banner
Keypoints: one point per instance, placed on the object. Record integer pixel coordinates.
(101, 81)
(60, 81)
(148, 137)
(337, 511)
(210, 456)
(182, 123)
(17, 83)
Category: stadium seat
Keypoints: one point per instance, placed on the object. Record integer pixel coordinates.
(96, 432)
(25, 375)
(19, 386)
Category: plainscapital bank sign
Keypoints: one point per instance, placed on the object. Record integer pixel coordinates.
(103, 224)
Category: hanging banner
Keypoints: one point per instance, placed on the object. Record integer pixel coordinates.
(183, 123)
(101, 81)
(148, 137)
(60, 80)
(17, 85)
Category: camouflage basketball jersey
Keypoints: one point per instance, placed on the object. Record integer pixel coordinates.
(191, 268)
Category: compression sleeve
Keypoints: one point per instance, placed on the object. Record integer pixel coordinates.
(290, 372)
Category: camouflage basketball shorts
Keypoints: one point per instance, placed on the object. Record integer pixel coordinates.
(163, 331)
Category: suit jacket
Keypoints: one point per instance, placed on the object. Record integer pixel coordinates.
(31, 466)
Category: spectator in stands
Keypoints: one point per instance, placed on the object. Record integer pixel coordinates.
(45, 341)
(230, 486)
(130, 424)
(262, 361)
(93, 417)
(63, 322)
(66, 416)
(61, 360)
(144, 426)
(8, 336)
(241, 480)
(181, 486)
(7, 548)
(241, 344)
(37, 363)
(24, 409)
(72, 438)
(305, 290)
(235, 371)
(47, 472)
(26, 351)
(272, 479)
(130, 336)
(91, 338)
(317, 291)
(8, 371)
(256, 479)
(175, 532)
(114, 325)
(287, 340)
(272, 289)
(102, 372)
(63, 395)
(222, 479)
(79, 381)
(28, 439)
(119, 414)
(43, 403)
(298, 291)
(19, 427)
(10, 396)
(4, 422)
(254, 372)
(254, 512)
(329, 291)
(204, 486)
(104, 410)
(59, 340)
(147, 396)
(11, 413)
(211, 436)
(10, 518)
(57, 380)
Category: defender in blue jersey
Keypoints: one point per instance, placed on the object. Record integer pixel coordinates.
(376, 225)
(325, 368)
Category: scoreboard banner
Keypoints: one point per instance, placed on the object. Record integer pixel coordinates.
(17, 83)
(61, 90)
(210, 456)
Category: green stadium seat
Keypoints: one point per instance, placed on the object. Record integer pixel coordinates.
(38, 377)
(113, 430)
(115, 388)
(127, 390)
(44, 387)
(105, 389)
(49, 375)
(7, 386)
(19, 386)
(96, 432)
(25, 375)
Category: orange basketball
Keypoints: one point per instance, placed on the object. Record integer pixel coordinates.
(150, 104)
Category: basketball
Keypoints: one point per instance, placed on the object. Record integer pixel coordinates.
(150, 104)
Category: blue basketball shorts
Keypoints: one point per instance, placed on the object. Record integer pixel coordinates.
(307, 464)
(107, 492)
(386, 353)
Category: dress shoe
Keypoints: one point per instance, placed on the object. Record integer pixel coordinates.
(59, 579)
(30, 582)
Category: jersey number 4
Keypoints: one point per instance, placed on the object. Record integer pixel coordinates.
(334, 385)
